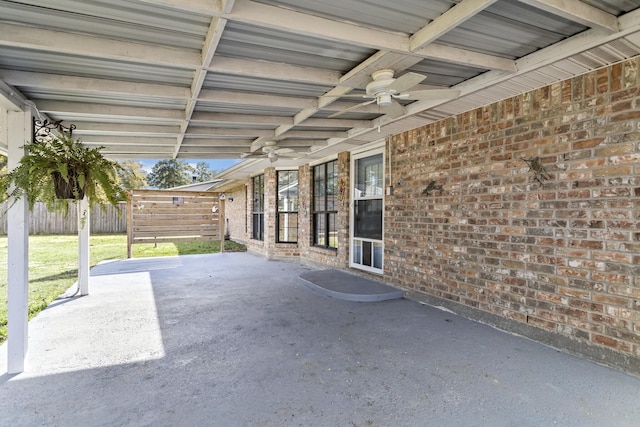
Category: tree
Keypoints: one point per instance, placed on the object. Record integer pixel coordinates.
(170, 173)
(203, 173)
(132, 176)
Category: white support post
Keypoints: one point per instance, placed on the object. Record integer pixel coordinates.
(84, 221)
(17, 128)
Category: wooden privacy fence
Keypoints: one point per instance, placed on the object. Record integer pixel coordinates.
(158, 216)
(110, 220)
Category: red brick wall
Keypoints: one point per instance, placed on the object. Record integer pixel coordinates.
(268, 247)
(235, 213)
(255, 246)
(330, 257)
(563, 256)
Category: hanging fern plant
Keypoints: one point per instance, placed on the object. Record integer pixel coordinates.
(58, 171)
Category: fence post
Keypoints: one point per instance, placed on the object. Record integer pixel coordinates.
(129, 214)
(221, 222)
(84, 224)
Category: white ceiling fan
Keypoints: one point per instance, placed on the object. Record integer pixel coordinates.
(271, 151)
(384, 89)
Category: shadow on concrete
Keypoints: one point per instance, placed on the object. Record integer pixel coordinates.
(235, 340)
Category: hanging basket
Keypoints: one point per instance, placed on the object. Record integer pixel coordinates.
(70, 190)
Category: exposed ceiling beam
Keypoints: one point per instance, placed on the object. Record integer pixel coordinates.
(347, 123)
(444, 23)
(128, 140)
(99, 47)
(203, 7)
(300, 134)
(216, 132)
(207, 153)
(228, 97)
(226, 5)
(229, 144)
(274, 70)
(80, 109)
(201, 118)
(578, 11)
(10, 98)
(214, 34)
(300, 23)
(629, 24)
(465, 57)
(92, 85)
(124, 129)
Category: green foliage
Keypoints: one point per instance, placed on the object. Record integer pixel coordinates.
(203, 173)
(66, 159)
(170, 173)
(131, 175)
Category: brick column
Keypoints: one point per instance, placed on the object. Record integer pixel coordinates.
(344, 204)
(270, 210)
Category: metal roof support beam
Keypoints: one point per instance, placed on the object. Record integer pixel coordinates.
(119, 113)
(203, 118)
(444, 23)
(577, 11)
(91, 85)
(97, 47)
(629, 24)
(203, 7)
(208, 51)
(274, 70)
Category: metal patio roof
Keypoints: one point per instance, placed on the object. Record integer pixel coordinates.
(210, 79)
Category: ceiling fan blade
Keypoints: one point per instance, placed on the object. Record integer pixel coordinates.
(395, 110)
(406, 81)
(430, 94)
(256, 145)
(362, 104)
(347, 95)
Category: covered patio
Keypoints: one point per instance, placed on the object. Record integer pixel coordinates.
(203, 340)
(470, 88)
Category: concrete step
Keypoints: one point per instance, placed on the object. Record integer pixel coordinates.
(349, 287)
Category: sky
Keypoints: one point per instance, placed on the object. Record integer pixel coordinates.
(218, 165)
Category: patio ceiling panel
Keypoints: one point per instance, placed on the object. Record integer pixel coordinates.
(242, 40)
(407, 16)
(195, 74)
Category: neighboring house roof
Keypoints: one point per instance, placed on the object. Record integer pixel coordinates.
(197, 186)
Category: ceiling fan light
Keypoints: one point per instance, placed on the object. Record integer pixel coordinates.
(272, 156)
(384, 99)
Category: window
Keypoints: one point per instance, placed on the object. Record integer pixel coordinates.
(258, 207)
(325, 197)
(287, 224)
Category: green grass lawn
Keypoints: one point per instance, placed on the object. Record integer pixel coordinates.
(53, 263)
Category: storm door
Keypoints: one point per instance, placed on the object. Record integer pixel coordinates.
(366, 216)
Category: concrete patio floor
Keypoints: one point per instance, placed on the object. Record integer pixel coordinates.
(235, 340)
